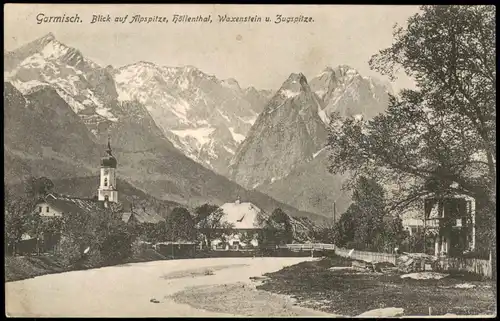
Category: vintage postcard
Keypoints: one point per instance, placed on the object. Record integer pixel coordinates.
(210, 160)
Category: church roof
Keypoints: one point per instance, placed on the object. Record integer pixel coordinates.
(242, 215)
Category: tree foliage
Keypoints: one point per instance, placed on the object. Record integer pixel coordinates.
(38, 187)
(103, 232)
(439, 138)
(210, 223)
(366, 225)
(276, 229)
(180, 225)
(19, 218)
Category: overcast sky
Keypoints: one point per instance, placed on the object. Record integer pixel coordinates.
(258, 54)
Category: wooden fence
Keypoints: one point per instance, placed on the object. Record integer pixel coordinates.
(450, 264)
(308, 247)
(476, 266)
(367, 256)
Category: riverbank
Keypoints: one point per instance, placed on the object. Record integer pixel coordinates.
(212, 287)
(332, 286)
(26, 267)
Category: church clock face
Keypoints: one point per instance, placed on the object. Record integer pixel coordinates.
(106, 171)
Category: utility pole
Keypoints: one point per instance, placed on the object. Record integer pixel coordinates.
(425, 227)
(334, 212)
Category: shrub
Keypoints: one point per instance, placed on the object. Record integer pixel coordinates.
(70, 251)
(116, 246)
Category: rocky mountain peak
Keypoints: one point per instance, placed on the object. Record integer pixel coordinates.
(296, 78)
(189, 69)
(286, 134)
(232, 83)
(345, 70)
(294, 86)
(47, 38)
(145, 63)
(344, 90)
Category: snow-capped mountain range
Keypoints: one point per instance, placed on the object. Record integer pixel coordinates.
(258, 138)
(203, 116)
(206, 118)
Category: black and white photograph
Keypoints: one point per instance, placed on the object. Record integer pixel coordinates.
(224, 160)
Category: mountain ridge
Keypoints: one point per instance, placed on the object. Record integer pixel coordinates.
(157, 115)
(164, 173)
(301, 155)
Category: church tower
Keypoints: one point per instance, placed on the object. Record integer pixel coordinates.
(107, 184)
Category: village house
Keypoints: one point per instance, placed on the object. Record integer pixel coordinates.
(244, 218)
(56, 205)
(139, 215)
(449, 221)
(453, 219)
(415, 225)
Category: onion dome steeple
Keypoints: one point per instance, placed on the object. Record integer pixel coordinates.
(108, 160)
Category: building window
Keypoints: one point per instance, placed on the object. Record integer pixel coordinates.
(48, 209)
(40, 209)
(105, 181)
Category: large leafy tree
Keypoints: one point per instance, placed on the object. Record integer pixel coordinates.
(441, 137)
(363, 226)
(103, 231)
(277, 228)
(343, 230)
(180, 225)
(19, 218)
(38, 187)
(210, 223)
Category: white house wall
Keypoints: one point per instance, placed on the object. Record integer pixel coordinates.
(47, 210)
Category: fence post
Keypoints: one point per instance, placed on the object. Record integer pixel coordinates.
(490, 267)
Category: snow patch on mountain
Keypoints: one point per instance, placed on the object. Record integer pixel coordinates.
(229, 150)
(289, 93)
(250, 120)
(201, 135)
(54, 50)
(73, 103)
(123, 95)
(237, 137)
(323, 116)
(224, 116)
(185, 98)
(180, 109)
(51, 63)
(35, 61)
(106, 113)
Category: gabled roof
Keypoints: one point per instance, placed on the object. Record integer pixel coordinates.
(241, 215)
(69, 204)
(141, 216)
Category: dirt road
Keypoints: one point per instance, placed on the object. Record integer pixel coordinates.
(147, 290)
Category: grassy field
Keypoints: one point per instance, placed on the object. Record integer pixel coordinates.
(351, 293)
